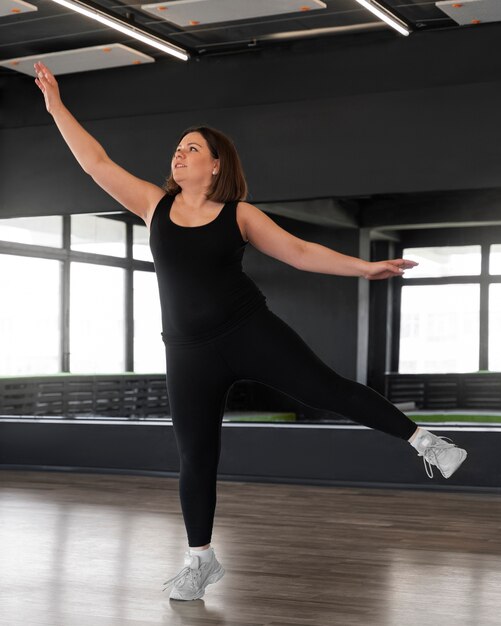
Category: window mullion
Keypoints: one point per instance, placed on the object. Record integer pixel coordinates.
(397, 314)
(129, 302)
(65, 296)
(483, 346)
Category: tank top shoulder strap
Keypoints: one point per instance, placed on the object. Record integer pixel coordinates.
(231, 208)
(163, 204)
(229, 219)
(229, 212)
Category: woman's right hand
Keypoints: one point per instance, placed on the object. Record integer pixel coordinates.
(48, 86)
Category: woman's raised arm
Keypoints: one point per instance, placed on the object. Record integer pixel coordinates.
(135, 194)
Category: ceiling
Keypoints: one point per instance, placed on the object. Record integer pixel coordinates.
(52, 28)
(49, 27)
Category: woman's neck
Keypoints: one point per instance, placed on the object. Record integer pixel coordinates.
(195, 199)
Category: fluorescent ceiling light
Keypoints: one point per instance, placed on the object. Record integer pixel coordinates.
(386, 16)
(132, 31)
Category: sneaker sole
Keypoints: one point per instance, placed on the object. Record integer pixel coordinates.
(217, 575)
(461, 461)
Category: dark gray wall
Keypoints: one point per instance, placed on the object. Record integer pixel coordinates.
(334, 455)
(322, 308)
(340, 116)
(364, 114)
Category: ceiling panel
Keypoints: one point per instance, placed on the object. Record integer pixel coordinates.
(53, 28)
(82, 60)
(187, 13)
(472, 11)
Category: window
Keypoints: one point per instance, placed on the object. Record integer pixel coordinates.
(441, 324)
(495, 259)
(149, 349)
(35, 287)
(440, 328)
(141, 244)
(495, 327)
(444, 261)
(39, 231)
(30, 324)
(97, 308)
(98, 234)
(85, 303)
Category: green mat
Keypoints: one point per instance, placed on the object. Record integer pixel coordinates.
(246, 416)
(455, 417)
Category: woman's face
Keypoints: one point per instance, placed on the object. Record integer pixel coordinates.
(192, 161)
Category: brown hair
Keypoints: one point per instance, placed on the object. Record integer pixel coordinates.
(229, 183)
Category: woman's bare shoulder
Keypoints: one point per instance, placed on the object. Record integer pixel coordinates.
(155, 197)
(244, 214)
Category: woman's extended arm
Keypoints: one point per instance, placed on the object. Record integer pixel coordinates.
(323, 260)
(268, 237)
(135, 194)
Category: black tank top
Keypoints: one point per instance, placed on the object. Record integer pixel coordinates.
(203, 289)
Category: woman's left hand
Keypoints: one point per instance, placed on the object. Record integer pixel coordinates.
(387, 269)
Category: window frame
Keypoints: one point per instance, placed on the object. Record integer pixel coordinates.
(66, 255)
(442, 237)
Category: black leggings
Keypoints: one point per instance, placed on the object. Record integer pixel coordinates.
(265, 349)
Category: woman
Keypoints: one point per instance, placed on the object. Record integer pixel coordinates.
(216, 325)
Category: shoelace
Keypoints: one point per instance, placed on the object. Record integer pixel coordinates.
(430, 454)
(192, 573)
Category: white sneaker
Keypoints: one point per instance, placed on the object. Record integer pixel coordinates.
(192, 580)
(435, 451)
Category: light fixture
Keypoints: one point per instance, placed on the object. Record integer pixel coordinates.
(386, 16)
(132, 31)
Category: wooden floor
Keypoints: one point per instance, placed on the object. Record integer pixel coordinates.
(94, 550)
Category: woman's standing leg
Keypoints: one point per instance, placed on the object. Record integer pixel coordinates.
(197, 383)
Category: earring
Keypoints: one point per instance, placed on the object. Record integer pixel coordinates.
(214, 173)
